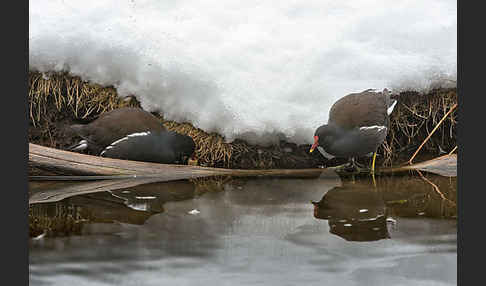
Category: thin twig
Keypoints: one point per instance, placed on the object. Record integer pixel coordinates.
(431, 133)
(453, 150)
(413, 112)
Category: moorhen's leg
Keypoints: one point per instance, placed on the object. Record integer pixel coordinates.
(373, 163)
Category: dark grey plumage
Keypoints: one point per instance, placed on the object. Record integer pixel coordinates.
(165, 147)
(346, 143)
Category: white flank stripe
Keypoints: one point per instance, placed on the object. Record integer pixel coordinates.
(146, 198)
(129, 136)
(378, 128)
(41, 236)
(139, 134)
(390, 109)
(123, 139)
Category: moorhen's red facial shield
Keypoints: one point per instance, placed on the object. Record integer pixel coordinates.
(316, 143)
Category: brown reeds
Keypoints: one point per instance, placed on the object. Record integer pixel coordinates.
(210, 147)
(59, 99)
(431, 133)
(421, 121)
(70, 95)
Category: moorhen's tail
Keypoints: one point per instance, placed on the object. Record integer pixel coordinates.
(391, 106)
(80, 146)
(390, 103)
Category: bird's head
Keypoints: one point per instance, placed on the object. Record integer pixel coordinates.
(322, 138)
(192, 160)
(319, 136)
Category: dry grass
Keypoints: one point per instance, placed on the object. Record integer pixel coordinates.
(59, 99)
(70, 95)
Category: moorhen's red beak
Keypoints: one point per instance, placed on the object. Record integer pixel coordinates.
(316, 142)
(192, 160)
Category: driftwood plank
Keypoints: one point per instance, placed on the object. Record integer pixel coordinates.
(82, 164)
(445, 165)
(65, 162)
(70, 163)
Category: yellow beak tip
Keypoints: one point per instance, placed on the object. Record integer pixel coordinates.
(311, 150)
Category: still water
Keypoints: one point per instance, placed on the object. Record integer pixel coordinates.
(400, 230)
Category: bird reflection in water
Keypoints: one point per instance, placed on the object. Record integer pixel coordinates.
(354, 212)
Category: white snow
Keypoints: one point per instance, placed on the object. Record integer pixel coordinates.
(258, 70)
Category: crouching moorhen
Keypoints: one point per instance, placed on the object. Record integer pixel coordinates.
(133, 134)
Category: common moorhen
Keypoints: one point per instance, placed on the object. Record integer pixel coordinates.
(133, 134)
(165, 147)
(358, 124)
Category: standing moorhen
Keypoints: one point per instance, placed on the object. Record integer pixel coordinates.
(358, 124)
(133, 134)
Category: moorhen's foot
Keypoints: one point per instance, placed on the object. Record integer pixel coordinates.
(354, 166)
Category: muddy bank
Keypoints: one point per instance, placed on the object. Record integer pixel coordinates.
(57, 100)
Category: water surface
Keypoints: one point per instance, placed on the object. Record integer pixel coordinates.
(319, 231)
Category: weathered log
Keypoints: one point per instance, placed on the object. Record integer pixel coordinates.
(70, 163)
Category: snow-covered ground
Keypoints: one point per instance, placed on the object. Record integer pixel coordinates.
(257, 70)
